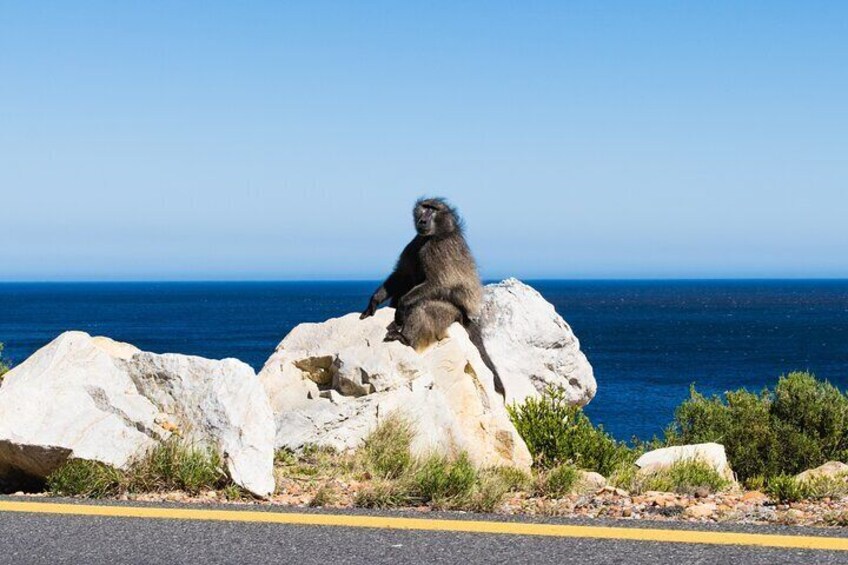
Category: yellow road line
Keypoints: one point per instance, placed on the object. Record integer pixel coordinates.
(421, 524)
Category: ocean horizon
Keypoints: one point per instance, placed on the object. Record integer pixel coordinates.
(647, 339)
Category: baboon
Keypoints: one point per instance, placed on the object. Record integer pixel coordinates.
(434, 283)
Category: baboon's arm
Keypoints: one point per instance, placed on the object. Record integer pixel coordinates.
(423, 291)
(394, 287)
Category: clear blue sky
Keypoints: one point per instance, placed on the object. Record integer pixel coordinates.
(274, 140)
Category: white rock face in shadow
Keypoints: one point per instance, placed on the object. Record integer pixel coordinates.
(531, 346)
(331, 383)
(94, 398)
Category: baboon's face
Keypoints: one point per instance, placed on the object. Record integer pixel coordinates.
(426, 216)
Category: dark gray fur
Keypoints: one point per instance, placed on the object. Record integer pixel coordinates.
(434, 283)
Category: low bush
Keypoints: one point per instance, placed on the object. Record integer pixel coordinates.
(172, 465)
(444, 482)
(4, 365)
(80, 477)
(557, 482)
(801, 424)
(786, 488)
(557, 433)
(177, 465)
(386, 451)
(448, 483)
(683, 477)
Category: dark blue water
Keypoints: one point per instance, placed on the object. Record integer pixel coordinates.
(646, 340)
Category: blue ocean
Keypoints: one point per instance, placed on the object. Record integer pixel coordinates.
(647, 340)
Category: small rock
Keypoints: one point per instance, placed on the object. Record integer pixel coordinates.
(703, 510)
(793, 515)
(590, 480)
(702, 492)
(754, 497)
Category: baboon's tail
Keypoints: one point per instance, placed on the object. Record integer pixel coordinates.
(473, 329)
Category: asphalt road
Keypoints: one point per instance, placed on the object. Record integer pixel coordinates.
(38, 537)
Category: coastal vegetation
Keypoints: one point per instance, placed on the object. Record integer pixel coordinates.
(769, 437)
(4, 366)
(557, 432)
(173, 465)
(801, 423)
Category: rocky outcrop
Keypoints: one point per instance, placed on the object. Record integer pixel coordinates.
(94, 398)
(710, 453)
(327, 384)
(330, 384)
(531, 346)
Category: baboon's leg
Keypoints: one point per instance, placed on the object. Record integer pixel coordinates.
(427, 322)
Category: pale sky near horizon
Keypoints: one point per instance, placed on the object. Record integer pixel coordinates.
(275, 140)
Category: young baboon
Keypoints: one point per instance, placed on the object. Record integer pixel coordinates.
(434, 284)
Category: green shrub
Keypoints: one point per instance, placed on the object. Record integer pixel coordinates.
(177, 465)
(80, 477)
(4, 365)
(513, 479)
(801, 424)
(557, 482)
(444, 482)
(325, 496)
(493, 485)
(386, 451)
(786, 488)
(384, 494)
(683, 477)
(557, 432)
(824, 486)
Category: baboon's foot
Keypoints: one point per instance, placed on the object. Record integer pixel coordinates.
(394, 334)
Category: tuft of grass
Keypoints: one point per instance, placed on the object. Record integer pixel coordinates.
(513, 479)
(284, 458)
(234, 492)
(81, 477)
(386, 451)
(757, 482)
(786, 488)
(624, 477)
(557, 482)
(384, 494)
(450, 483)
(178, 465)
(444, 482)
(557, 432)
(326, 496)
(828, 487)
(683, 477)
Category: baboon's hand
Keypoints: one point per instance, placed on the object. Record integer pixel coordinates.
(369, 310)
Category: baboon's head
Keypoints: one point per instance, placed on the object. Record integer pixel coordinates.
(434, 216)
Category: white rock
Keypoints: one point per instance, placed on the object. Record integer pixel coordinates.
(94, 398)
(710, 453)
(220, 403)
(531, 346)
(330, 384)
(590, 481)
(830, 469)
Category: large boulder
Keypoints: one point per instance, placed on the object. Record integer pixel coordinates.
(93, 398)
(712, 454)
(331, 383)
(531, 346)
